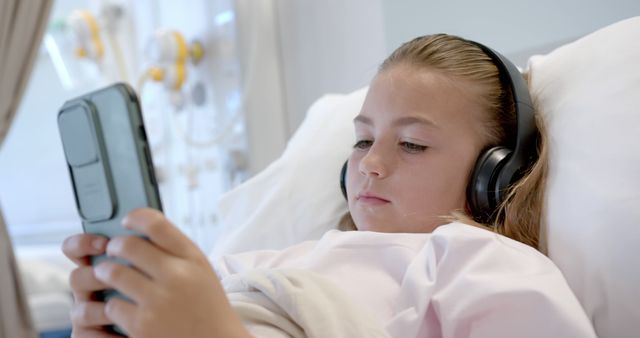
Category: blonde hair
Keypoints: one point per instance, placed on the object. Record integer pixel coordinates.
(520, 214)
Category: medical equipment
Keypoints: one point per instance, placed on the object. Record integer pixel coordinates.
(88, 46)
(88, 39)
(170, 52)
(191, 90)
(88, 31)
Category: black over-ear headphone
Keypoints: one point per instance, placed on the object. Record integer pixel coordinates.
(500, 166)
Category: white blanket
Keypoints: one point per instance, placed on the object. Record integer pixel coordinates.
(296, 303)
(459, 281)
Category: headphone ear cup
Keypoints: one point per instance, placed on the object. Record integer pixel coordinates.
(482, 193)
(343, 180)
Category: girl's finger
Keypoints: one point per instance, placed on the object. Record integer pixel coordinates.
(80, 247)
(89, 315)
(126, 279)
(125, 315)
(83, 281)
(161, 232)
(141, 253)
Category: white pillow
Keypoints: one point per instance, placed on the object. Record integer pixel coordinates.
(298, 196)
(589, 93)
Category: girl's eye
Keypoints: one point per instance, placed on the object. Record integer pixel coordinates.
(363, 144)
(412, 147)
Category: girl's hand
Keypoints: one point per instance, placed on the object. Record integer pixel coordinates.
(87, 315)
(174, 289)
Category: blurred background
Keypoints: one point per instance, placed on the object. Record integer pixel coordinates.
(223, 85)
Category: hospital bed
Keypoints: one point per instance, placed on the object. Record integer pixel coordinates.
(588, 92)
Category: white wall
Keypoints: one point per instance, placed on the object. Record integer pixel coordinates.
(515, 28)
(297, 51)
(262, 69)
(330, 46)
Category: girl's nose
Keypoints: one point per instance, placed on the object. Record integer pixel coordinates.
(373, 164)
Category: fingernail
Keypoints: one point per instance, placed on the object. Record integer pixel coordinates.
(99, 243)
(114, 246)
(100, 272)
(108, 309)
(125, 222)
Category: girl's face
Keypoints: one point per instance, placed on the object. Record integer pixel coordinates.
(418, 136)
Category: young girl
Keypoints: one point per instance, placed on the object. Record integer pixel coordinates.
(417, 266)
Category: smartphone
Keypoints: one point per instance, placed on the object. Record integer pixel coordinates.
(109, 160)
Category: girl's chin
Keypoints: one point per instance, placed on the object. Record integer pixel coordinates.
(391, 225)
(375, 225)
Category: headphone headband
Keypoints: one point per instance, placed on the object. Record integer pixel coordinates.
(509, 74)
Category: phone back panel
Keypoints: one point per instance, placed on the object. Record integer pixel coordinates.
(108, 157)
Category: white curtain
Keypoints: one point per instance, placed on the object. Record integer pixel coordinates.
(22, 23)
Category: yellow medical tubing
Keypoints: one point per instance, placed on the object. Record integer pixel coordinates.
(94, 36)
(181, 60)
(154, 73)
(182, 48)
